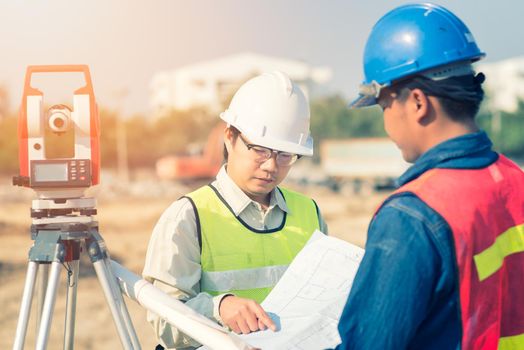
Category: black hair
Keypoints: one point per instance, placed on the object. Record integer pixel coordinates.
(235, 132)
(460, 96)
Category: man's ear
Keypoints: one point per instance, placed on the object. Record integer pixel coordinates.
(228, 139)
(420, 105)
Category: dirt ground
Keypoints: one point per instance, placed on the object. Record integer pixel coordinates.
(126, 224)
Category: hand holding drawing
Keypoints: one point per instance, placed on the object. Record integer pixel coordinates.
(244, 315)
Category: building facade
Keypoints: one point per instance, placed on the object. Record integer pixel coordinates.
(210, 85)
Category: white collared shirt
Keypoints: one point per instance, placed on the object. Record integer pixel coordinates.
(173, 255)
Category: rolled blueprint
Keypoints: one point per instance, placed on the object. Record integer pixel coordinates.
(176, 313)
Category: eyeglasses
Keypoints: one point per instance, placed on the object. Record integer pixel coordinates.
(263, 153)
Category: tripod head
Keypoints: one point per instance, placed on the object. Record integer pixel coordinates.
(63, 211)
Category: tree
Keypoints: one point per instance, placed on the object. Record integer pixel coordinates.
(8, 145)
(509, 138)
(331, 118)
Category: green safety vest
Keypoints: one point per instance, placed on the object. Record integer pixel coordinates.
(239, 259)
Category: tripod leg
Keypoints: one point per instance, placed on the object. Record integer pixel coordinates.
(25, 308)
(112, 301)
(104, 277)
(69, 328)
(123, 308)
(49, 305)
(41, 286)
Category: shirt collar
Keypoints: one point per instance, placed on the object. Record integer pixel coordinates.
(238, 200)
(467, 151)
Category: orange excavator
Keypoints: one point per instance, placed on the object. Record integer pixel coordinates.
(195, 167)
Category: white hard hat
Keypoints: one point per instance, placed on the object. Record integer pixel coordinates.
(273, 112)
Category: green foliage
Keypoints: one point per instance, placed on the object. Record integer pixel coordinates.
(506, 132)
(331, 118)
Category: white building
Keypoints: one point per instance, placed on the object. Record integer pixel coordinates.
(211, 84)
(504, 83)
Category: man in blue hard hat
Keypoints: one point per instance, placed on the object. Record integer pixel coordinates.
(444, 261)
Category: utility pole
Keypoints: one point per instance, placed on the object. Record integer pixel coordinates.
(121, 137)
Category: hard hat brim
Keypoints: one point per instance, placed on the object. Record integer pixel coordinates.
(363, 101)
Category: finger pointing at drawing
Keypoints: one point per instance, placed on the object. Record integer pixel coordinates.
(264, 321)
(244, 315)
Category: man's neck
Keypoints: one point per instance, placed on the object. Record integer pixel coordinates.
(447, 131)
(263, 200)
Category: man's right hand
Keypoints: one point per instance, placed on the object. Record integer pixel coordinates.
(244, 315)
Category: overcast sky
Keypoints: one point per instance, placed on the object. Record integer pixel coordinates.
(126, 42)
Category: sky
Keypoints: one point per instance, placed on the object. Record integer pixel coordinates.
(126, 42)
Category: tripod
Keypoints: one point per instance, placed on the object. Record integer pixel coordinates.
(58, 231)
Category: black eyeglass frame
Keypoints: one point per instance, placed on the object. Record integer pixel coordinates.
(268, 153)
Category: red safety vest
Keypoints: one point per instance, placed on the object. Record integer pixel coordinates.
(485, 211)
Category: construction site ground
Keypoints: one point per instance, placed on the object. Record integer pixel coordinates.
(125, 222)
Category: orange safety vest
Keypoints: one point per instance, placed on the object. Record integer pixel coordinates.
(484, 209)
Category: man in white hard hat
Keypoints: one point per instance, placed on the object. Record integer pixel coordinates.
(222, 248)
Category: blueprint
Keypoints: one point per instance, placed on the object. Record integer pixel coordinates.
(307, 302)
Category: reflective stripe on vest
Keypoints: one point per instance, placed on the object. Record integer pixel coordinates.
(512, 343)
(491, 259)
(260, 277)
(484, 209)
(247, 262)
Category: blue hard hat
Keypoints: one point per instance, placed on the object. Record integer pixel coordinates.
(409, 40)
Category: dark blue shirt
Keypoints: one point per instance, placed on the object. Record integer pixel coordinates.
(405, 293)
